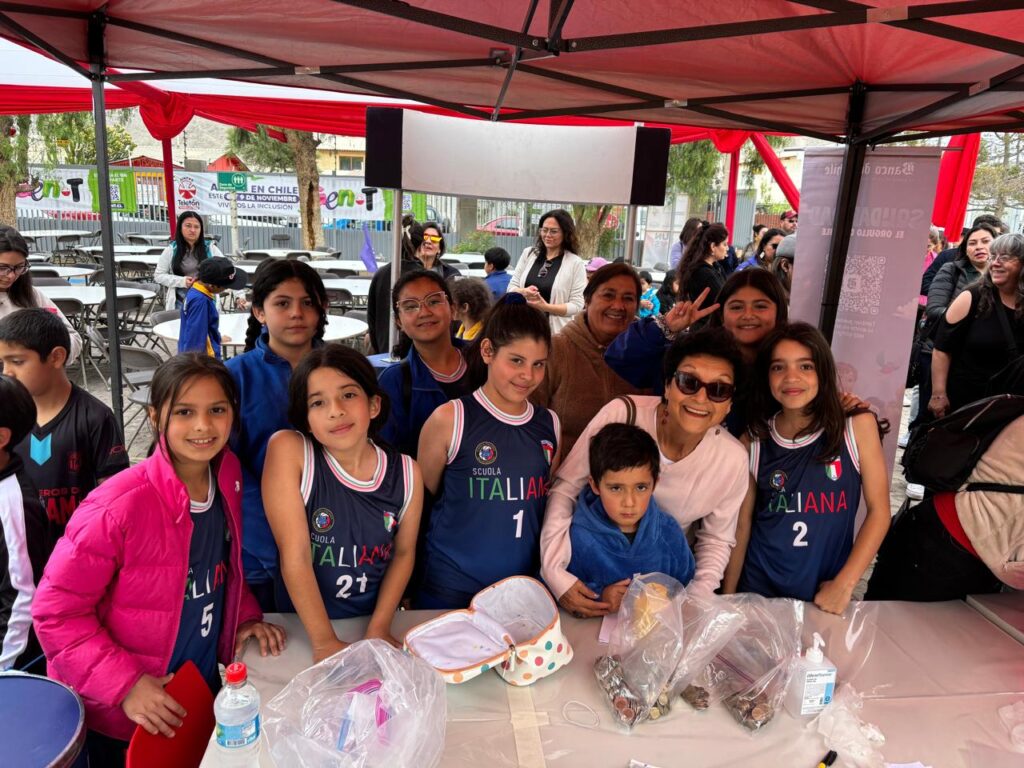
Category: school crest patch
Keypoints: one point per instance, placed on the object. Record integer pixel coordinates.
(834, 469)
(486, 453)
(549, 450)
(389, 521)
(323, 520)
(778, 480)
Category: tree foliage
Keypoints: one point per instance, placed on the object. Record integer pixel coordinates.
(999, 177)
(589, 224)
(693, 170)
(260, 151)
(13, 162)
(753, 163)
(69, 138)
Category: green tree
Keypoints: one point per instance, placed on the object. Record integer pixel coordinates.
(590, 221)
(13, 163)
(693, 170)
(69, 138)
(999, 177)
(261, 152)
(753, 163)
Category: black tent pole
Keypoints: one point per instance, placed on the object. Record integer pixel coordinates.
(849, 186)
(99, 105)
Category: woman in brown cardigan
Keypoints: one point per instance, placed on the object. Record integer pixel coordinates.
(578, 382)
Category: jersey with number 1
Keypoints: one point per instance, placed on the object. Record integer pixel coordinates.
(485, 525)
(802, 528)
(352, 525)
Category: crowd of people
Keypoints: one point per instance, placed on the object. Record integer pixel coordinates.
(577, 426)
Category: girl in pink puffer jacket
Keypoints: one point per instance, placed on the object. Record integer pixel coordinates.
(148, 575)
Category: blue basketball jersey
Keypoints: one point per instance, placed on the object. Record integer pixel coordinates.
(802, 530)
(352, 526)
(485, 524)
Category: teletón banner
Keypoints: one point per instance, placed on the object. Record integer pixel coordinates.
(878, 305)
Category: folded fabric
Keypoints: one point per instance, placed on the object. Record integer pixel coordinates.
(602, 554)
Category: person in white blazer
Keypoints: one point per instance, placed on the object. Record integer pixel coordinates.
(178, 264)
(549, 273)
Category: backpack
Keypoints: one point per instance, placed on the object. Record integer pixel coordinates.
(941, 454)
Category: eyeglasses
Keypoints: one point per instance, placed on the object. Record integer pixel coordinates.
(543, 271)
(999, 258)
(17, 269)
(550, 231)
(718, 391)
(432, 238)
(431, 301)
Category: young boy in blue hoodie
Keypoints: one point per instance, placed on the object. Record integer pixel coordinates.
(617, 529)
(200, 322)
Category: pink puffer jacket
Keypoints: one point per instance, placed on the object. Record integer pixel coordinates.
(108, 606)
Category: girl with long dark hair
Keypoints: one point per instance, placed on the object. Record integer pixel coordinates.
(699, 267)
(178, 265)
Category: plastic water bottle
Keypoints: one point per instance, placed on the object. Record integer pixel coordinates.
(237, 711)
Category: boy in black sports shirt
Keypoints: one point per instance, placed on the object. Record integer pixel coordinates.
(75, 443)
(26, 538)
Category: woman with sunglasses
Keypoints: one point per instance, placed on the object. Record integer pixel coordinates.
(812, 461)
(704, 473)
(764, 254)
(549, 273)
(422, 248)
(16, 289)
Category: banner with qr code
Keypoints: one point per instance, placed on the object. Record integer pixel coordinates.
(878, 303)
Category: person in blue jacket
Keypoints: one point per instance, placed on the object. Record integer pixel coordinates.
(199, 330)
(433, 369)
(496, 261)
(289, 315)
(617, 529)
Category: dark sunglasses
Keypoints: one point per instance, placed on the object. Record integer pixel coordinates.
(718, 391)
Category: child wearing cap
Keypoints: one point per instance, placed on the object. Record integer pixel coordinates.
(200, 321)
(618, 529)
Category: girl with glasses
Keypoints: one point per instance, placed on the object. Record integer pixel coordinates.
(549, 273)
(811, 462)
(703, 472)
(16, 289)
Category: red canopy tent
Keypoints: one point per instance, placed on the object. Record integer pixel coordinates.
(834, 69)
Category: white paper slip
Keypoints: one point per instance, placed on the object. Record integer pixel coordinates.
(608, 625)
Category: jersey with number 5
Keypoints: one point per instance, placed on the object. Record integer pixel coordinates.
(352, 526)
(802, 529)
(485, 524)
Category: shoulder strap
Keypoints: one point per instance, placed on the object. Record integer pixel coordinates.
(630, 409)
(1004, 323)
(995, 487)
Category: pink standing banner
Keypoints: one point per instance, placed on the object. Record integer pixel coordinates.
(877, 307)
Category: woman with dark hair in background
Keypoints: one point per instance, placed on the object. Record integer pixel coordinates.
(754, 245)
(549, 273)
(178, 265)
(977, 334)
(763, 254)
(424, 250)
(699, 268)
(16, 289)
(579, 382)
(690, 230)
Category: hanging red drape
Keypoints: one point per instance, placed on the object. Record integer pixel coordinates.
(956, 175)
(777, 170)
(730, 197)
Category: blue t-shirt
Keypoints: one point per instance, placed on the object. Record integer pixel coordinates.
(203, 610)
(485, 524)
(352, 526)
(802, 531)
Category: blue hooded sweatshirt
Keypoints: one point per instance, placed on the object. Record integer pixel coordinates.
(262, 380)
(602, 554)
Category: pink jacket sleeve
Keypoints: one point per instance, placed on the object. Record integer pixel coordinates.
(79, 650)
(555, 550)
(248, 609)
(717, 534)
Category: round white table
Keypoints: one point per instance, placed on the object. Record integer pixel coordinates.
(90, 295)
(64, 272)
(353, 285)
(123, 250)
(278, 253)
(155, 239)
(473, 272)
(234, 325)
(141, 258)
(356, 266)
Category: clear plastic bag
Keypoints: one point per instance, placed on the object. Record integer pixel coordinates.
(709, 622)
(751, 672)
(644, 650)
(368, 705)
(843, 730)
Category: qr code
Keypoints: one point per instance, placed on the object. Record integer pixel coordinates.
(862, 284)
(115, 193)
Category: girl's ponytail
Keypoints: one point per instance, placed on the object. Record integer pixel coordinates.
(252, 332)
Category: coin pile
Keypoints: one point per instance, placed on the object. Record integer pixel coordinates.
(662, 706)
(751, 710)
(697, 697)
(626, 705)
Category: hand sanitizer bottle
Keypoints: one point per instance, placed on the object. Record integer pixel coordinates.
(813, 682)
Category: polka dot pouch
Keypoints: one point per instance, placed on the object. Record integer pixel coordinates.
(512, 627)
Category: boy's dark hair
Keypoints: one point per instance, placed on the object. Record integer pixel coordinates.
(19, 411)
(623, 446)
(345, 360)
(497, 258)
(646, 277)
(37, 329)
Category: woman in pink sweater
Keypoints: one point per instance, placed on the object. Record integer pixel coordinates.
(704, 474)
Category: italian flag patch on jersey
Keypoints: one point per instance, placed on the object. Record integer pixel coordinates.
(834, 469)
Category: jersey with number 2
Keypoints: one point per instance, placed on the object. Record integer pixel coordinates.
(802, 530)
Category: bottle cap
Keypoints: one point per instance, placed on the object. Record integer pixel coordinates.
(236, 673)
(814, 653)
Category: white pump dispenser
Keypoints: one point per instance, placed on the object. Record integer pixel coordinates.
(813, 683)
